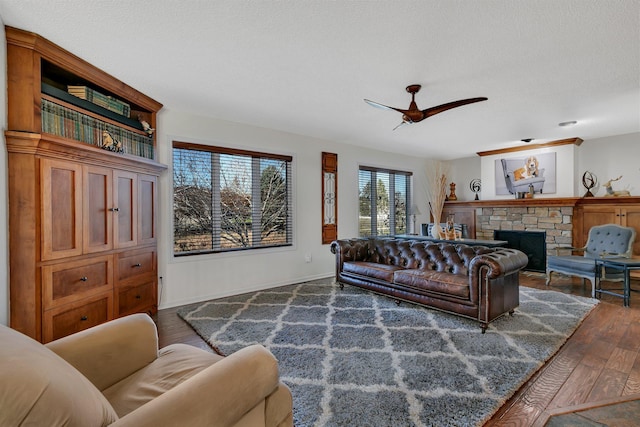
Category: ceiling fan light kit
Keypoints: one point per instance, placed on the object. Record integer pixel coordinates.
(414, 115)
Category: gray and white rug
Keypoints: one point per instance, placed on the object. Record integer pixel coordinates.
(354, 358)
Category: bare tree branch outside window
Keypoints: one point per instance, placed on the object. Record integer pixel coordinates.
(230, 201)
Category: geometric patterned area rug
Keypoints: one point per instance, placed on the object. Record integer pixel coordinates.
(355, 358)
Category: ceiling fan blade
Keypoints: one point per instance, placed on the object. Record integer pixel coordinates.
(384, 107)
(404, 122)
(449, 105)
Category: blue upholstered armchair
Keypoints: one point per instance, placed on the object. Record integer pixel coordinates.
(609, 240)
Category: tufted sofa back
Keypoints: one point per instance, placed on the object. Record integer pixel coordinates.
(441, 257)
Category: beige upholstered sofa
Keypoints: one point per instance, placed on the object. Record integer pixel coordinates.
(114, 374)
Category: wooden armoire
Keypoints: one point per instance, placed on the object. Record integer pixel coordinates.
(82, 180)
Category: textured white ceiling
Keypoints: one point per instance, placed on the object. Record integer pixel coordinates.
(305, 66)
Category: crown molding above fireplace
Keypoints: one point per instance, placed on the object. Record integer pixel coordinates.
(574, 141)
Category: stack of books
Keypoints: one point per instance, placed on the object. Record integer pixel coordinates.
(62, 121)
(97, 98)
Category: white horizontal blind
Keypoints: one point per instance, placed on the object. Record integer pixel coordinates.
(226, 199)
(384, 200)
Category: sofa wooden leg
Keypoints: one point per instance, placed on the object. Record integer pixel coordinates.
(483, 327)
(341, 286)
(511, 312)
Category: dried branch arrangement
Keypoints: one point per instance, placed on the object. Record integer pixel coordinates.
(436, 189)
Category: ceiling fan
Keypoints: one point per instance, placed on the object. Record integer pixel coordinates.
(414, 114)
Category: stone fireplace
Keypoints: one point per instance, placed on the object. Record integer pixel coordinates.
(556, 221)
(566, 221)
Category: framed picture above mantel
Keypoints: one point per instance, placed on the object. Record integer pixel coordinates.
(530, 170)
(531, 173)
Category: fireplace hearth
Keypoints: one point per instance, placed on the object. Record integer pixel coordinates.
(532, 243)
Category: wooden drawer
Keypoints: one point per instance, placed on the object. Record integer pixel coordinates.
(77, 316)
(69, 281)
(135, 263)
(137, 299)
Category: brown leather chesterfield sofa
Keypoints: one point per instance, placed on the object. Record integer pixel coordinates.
(471, 281)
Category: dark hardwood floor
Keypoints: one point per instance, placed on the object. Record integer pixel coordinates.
(598, 365)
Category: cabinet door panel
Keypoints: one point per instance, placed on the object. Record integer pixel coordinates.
(125, 198)
(462, 215)
(596, 215)
(632, 219)
(98, 217)
(61, 209)
(147, 195)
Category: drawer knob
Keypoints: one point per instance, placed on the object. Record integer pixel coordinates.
(83, 318)
(114, 209)
(137, 265)
(138, 297)
(84, 278)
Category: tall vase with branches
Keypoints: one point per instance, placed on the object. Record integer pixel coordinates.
(436, 189)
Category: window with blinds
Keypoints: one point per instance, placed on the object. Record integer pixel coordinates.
(384, 200)
(227, 200)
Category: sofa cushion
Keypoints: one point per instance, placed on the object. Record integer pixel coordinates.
(175, 364)
(40, 388)
(573, 263)
(434, 281)
(371, 269)
(581, 265)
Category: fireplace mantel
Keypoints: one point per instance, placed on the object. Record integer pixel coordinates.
(557, 201)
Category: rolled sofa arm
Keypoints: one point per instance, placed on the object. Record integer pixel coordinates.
(501, 262)
(219, 395)
(109, 352)
(349, 250)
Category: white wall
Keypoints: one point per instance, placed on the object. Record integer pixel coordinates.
(609, 158)
(462, 171)
(196, 278)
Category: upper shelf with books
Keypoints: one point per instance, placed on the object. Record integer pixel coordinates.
(42, 75)
(89, 106)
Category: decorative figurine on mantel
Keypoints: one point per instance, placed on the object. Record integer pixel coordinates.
(452, 194)
(475, 185)
(589, 180)
(610, 192)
